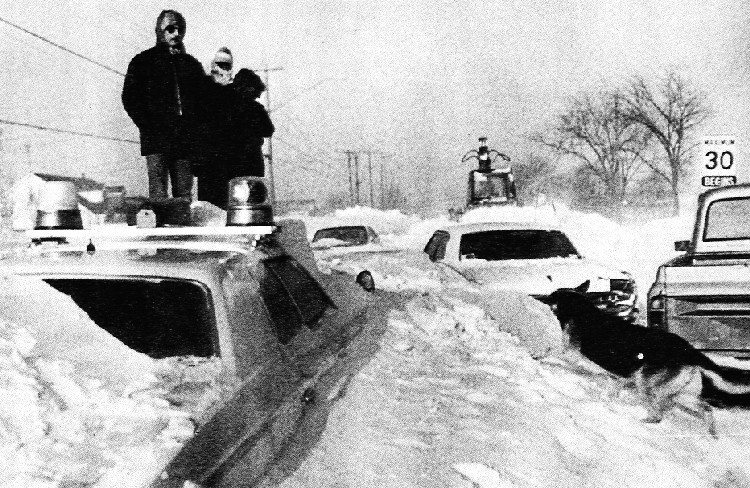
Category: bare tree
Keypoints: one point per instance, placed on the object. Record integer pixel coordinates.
(534, 175)
(671, 111)
(596, 131)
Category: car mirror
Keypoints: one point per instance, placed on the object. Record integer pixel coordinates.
(681, 246)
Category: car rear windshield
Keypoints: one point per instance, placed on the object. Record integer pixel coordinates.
(728, 219)
(491, 186)
(158, 317)
(494, 245)
(352, 235)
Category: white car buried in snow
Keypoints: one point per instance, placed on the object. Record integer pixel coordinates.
(528, 257)
(343, 236)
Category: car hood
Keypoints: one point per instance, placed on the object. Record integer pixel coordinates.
(540, 276)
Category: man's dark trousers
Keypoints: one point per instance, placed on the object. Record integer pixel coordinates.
(161, 167)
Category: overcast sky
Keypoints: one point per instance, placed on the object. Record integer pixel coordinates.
(417, 80)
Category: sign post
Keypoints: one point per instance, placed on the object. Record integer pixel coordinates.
(718, 163)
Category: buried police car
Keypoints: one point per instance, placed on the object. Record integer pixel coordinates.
(249, 296)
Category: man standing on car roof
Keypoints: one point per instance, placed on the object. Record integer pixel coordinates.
(213, 167)
(250, 124)
(164, 94)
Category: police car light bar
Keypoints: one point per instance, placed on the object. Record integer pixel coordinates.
(115, 232)
(148, 246)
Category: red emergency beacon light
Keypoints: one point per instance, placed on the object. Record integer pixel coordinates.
(58, 207)
(248, 202)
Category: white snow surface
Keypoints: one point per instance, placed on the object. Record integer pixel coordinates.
(79, 407)
(469, 388)
(455, 397)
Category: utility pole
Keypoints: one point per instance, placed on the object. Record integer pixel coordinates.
(356, 176)
(349, 171)
(382, 185)
(3, 169)
(382, 155)
(269, 156)
(369, 170)
(355, 182)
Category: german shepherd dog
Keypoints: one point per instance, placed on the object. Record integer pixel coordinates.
(667, 371)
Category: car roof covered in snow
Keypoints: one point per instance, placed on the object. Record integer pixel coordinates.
(188, 258)
(468, 228)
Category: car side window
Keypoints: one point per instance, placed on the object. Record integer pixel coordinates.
(435, 247)
(292, 296)
(284, 314)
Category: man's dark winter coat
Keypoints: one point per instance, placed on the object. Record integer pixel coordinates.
(164, 94)
(250, 124)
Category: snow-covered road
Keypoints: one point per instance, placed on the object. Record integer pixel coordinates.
(446, 385)
(450, 400)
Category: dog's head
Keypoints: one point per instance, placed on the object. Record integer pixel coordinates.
(570, 303)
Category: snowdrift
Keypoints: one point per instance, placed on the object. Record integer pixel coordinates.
(79, 407)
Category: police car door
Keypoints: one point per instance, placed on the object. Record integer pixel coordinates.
(301, 311)
(237, 444)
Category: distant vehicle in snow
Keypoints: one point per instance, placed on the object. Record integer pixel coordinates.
(488, 185)
(332, 241)
(249, 296)
(531, 258)
(703, 295)
(345, 235)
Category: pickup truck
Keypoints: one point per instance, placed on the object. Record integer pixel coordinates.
(703, 295)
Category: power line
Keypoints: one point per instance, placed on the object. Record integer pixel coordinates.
(66, 131)
(306, 90)
(317, 153)
(354, 179)
(294, 128)
(312, 157)
(59, 46)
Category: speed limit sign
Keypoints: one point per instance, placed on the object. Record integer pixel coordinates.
(718, 165)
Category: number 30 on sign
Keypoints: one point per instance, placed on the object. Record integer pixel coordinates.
(718, 166)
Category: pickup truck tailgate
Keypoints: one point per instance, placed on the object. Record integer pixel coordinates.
(708, 304)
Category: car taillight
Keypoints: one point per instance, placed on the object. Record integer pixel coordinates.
(655, 312)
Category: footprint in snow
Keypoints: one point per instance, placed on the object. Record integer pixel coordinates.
(482, 476)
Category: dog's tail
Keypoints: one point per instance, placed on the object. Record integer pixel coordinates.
(723, 385)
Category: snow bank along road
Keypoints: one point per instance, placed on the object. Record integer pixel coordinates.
(471, 390)
(443, 386)
(450, 399)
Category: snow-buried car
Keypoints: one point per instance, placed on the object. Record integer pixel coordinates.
(248, 301)
(530, 257)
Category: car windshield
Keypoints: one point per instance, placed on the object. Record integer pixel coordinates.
(495, 245)
(353, 235)
(728, 219)
(158, 317)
